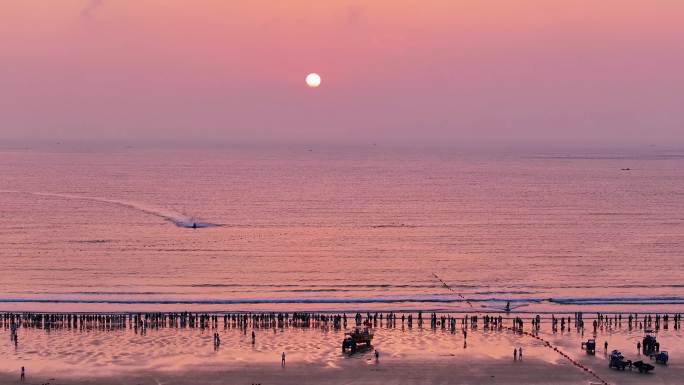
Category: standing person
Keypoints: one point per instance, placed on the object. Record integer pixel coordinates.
(23, 374)
(377, 355)
(639, 347)
(282, 362)
(515, 354)
(520, 352)
(253, 337)
(605, 346)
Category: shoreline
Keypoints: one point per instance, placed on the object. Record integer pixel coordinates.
(155, 350)
(427, 311)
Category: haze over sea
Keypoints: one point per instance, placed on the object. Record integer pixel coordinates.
(109, 228)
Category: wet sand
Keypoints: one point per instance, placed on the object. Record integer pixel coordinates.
(461, 370)
(454, 370)
(417, 355)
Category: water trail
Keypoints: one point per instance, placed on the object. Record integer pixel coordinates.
(178, 219)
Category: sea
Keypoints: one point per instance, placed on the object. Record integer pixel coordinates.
(245, 228)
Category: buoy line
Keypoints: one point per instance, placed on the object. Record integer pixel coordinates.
(546, 343)
(559, 351)
(452, 290)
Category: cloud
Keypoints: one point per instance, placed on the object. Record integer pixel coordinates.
(90, 7)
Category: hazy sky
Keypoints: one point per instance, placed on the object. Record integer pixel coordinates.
(433, 71)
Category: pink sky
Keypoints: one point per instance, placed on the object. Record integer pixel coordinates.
(448, 71)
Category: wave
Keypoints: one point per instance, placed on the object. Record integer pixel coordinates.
(393, 226)
(364, 286)
(239, 289)
(178, 219)
(246, 301)
(360, 300)
(480, 289)
(619, 301)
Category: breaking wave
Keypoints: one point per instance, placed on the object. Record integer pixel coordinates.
(357, 300)
(619, 301)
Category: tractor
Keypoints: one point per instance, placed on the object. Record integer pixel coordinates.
(357, 339)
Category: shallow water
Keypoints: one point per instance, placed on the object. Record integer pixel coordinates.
(106, 229)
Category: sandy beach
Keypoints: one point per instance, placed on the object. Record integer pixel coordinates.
(463, 370)
(457, 370)
(416, 355)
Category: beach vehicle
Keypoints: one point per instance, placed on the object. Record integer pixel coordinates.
(660, 358)
(357, 339)
(589, 346)
(649, 344)
(617, 361)
(643, 366)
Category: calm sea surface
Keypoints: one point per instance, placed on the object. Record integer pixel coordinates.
(110, 229)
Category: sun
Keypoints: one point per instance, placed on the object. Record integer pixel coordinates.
(313, 80)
